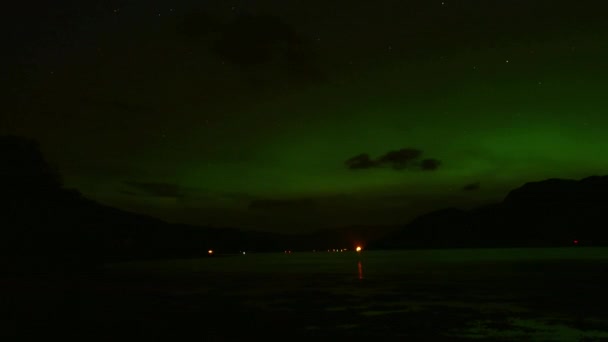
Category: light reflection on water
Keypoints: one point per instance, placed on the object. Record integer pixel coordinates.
(360, 268)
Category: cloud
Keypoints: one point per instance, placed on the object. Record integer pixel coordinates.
(255, 39)
(472, 187)
(405, 158)
(400, 159)
(183, 194)
(282, 205)
(362, 161)
(249, 41)
(199, 25)
(430, 164)
(155, 189)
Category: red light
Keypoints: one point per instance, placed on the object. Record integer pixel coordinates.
(575, 242)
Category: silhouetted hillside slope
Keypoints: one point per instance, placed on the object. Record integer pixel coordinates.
(45, 226)
(553, 212)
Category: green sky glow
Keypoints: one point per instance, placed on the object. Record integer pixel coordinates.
(140, 117)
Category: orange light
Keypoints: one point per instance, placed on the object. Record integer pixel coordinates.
(210, 251)
(358, 249)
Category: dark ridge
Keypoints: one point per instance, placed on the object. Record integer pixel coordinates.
(553, 212)
(46, 227)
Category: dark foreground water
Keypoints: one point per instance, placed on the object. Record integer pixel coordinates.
(494, 295)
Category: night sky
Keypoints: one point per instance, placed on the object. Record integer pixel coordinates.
(298, 115)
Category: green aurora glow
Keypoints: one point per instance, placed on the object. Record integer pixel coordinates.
(159, 125)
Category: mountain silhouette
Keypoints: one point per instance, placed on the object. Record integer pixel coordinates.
(553, 212)
(46, 227)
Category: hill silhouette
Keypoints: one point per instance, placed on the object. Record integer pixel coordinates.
(44, 226)
(553, 212)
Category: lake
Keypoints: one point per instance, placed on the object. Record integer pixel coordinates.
(498, 294)
(553, 294)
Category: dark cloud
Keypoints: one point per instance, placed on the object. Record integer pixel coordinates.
(430, 164)
(128, 193)
(249, 41)
(253, 40)
(282, 205)
(155, 189)
(400, 159)
(472, 187)
(199, 26)
(362, 161)
(184, 194)
(405, 158)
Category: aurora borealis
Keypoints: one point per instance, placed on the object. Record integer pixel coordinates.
(245, 113)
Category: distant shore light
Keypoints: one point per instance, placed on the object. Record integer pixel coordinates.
(210, 251)
(358, 249)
